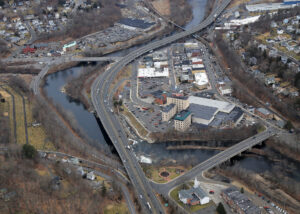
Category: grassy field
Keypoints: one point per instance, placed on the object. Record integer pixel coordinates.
(174, 195)
(133, 121)
(20, 126)
(116, 208)
(153, 173)
(36, 135)
(125, 73)
(6, 110)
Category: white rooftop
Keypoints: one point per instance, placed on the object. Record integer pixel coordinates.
(201, 78)
(221, 105)
(267, 6)
(238, 22)
(152, 72)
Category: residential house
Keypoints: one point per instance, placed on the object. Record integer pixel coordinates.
(90, 176)
(270, 80)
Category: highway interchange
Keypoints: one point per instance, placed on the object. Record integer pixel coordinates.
(103, 106)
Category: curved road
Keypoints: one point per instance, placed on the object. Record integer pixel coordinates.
(102, 104)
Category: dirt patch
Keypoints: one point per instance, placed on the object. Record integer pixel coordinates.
(162, 6)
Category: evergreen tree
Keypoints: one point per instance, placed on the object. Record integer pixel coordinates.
(221, 209)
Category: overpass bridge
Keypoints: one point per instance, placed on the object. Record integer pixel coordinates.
(61, 59)
(93, 59)
(215, 160)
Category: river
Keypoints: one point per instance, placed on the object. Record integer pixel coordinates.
(198, 10)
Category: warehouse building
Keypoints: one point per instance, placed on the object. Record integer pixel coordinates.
(268, 7)
(214, 113)
(202, 114)
(220, 105)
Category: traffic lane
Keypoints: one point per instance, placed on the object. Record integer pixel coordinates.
(125, 159)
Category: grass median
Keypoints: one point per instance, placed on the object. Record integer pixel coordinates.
(134, 122)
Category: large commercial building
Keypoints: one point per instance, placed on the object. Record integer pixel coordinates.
(220, 105)
(181, 102)
(151, 72)
(214, 112)
(168, 112)
(269, 6)
(238, 202)
(183, 120)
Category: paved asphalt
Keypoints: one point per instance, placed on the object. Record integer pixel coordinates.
(103, 107)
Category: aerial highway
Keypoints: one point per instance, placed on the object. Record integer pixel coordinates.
(215, 160)
(104, 109)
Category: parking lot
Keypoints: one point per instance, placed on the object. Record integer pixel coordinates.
(148, 117)
(146, 87)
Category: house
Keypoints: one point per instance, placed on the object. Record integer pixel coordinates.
(273, 24)
(193, 196)
(28, 50)
(80, 171)
(264, 113)
(225, 90)
(69, 47)
(74, 161)
(90, 176)
(262, 47)
(270, 80)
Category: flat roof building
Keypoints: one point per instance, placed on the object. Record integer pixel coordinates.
(201, 80)
(202, 114)
(238, 202)
(179, 100)
(183, 120)
(152, 72)
(168, 112)
(268, 6)
(220, 105)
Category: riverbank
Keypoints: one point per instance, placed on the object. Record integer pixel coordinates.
(209, 7)
(211, 135)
